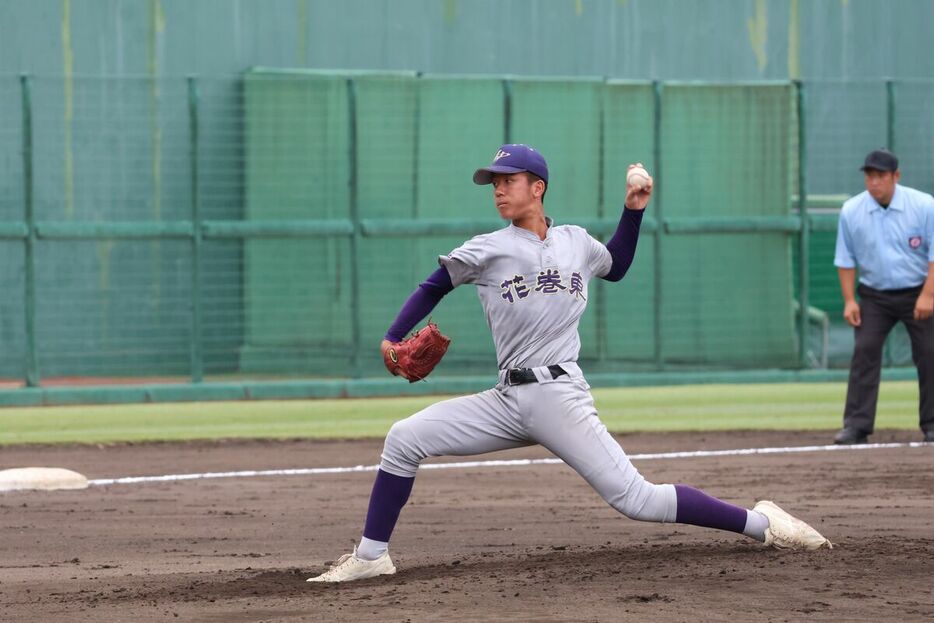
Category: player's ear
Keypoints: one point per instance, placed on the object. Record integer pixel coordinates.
(538, 188)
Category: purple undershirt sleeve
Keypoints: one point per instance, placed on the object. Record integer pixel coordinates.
(426, 296)
(622, 245)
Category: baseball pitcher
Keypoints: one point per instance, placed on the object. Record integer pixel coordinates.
(532, 278)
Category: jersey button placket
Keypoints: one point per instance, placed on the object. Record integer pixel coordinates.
(547, 257)
(887, 240)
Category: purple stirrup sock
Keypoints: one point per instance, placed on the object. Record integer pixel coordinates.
(390, 493)
(699, 509)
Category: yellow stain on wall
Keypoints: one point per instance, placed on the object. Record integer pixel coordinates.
(157, 28)
(758, 33)
(159, 15)
(68, 70)
(301, 50)
(794, 41)
(450, 11)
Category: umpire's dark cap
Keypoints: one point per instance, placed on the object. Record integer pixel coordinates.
(880, 160)
(513, 158)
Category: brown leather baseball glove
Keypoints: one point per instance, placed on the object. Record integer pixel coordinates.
(415, 357)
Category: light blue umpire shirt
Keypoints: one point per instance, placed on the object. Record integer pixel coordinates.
(891, 246)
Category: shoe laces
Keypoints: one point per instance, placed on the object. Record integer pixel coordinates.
(345, 558)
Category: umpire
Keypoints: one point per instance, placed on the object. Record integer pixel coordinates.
(886, 232)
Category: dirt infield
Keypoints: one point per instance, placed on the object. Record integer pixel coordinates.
(530, 543)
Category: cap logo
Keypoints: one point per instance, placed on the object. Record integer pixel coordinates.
(500, 154)
(914, 242)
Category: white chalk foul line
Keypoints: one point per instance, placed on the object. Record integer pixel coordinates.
(312, 471)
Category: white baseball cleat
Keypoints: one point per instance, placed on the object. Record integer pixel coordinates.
(787, 532)
(348, 567)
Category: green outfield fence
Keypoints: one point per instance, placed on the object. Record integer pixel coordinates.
(254, 236)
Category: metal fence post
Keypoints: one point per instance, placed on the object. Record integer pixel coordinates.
(890, 114)
(601, 320)
(32, 358)
(659, 233)
(355, 239)
(887, 356)
(416, 137)
(804, 238)
(197, 350)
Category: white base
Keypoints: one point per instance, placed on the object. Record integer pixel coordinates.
(41, 478)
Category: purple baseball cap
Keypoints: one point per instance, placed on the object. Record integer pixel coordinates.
(513, 158)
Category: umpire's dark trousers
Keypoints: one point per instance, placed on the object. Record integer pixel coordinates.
(880, 310)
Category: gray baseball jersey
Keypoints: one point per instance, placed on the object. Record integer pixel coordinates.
(533, 292)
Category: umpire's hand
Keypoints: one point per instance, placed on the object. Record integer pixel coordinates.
(924, 307)
(851, 313)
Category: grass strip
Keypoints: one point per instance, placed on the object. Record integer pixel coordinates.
(805, 406)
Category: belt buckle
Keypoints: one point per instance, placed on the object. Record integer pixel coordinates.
(512, 375)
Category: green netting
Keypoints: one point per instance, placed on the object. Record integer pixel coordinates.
(297, 292)
(12, 209)
(726, 298)
(11, 150)
(913, 133)
(562, 119)
(104, 151)
(844, 121)
(221, 174)
(385, 157)
(222, 122)
(628, 307)
(114, 150)
(271, 225)
(113, 308)
(461, 123)
(12, 310)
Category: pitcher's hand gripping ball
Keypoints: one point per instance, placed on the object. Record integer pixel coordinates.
(637, 177)
(415, 357)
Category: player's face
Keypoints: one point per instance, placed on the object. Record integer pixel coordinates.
(515, 196)
(881, 184)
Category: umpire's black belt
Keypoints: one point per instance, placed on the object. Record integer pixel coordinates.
(521, 376)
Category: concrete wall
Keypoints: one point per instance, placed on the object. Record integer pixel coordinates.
(657, 39)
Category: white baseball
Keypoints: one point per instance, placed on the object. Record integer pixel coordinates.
(638, 177)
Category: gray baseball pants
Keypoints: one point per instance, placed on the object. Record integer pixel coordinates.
(557, 413)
